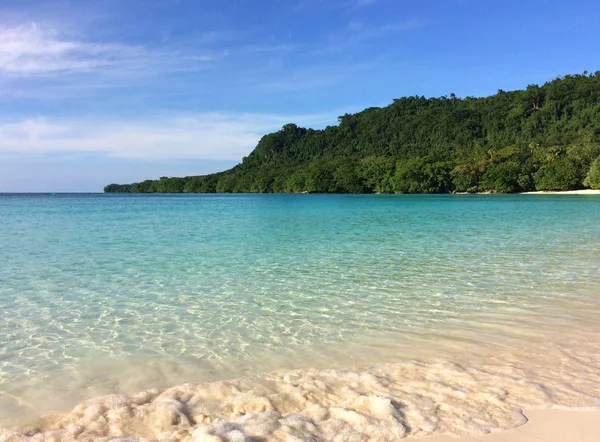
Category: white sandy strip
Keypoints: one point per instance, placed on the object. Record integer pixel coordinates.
(552, 425)
(564, 192)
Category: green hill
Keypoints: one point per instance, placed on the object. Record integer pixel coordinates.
(541, 138)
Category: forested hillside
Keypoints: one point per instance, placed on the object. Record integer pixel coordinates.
(541, 138)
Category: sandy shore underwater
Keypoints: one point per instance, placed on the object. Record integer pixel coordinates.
(444, 400)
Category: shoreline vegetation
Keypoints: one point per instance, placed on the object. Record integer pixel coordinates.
(542, 138)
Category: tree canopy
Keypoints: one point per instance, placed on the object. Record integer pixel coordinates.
(541, 138)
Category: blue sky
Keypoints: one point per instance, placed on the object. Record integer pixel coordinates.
(122, 90)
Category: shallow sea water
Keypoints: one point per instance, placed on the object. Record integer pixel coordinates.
(496, 297)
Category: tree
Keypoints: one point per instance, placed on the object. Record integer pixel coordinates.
(561, 174)
(502, 177)
(319, 179)
(117, 188)
(592, 178)
(421, 176)
(423, 145)
(375, 173)
(226, 183)
(346, 180)
(296, 183)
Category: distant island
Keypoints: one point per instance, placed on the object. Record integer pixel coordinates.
(541, 138)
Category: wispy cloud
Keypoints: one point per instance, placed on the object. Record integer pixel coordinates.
(319, 77)
(209, 136)
(266, 49)
(359, 31)
(355, 4)
(349, 5)
(30, 50)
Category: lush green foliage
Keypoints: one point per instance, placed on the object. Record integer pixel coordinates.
(118, 188)
(544, 137)
(593, 176)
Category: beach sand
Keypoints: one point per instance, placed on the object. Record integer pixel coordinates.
(551, 425)
(564, 192)
(554, 378)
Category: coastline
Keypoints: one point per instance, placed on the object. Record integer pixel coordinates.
(563, 192)
(549, 425)
(540, 192)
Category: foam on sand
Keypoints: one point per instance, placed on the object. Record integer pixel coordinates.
(387, 402)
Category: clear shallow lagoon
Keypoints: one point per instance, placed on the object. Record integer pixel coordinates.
(118, 293)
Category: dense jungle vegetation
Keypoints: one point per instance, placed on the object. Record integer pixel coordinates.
(541, 138)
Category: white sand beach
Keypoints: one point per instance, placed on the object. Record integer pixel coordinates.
(551, 425)
(557, 385)
(564, 192)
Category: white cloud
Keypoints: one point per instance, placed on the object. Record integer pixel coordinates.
(30, 50)
(209, 136)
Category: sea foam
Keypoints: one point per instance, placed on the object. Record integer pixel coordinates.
(387, 402)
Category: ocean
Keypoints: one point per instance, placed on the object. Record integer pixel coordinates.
(365, 310)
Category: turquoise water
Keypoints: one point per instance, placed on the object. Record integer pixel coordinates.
(227, 282)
